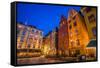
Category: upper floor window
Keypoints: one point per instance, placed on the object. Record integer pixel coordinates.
(33, 30)
(91, 18)
(76, 31)
(24, 32)
(75, 24)
(78, 42)
(63, 22)
(88, 10)
(72, 43)
(94, 31)
(70, 27)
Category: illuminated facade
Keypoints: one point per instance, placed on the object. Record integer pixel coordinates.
(78, 35)
(49, 43)
(90, 20)
(53, 42)
(63, 41)
(46, 45)
(28, 37)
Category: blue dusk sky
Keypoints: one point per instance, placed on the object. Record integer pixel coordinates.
(43, 17)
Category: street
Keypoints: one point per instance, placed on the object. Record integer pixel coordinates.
(42, 59)
(37, 60)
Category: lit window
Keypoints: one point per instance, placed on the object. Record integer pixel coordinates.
(70, 33)
(94, 31)
(76, 31)
(78, 42)
(91, 18)
(63, 22)
(72, 43)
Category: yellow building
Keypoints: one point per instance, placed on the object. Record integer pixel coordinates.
(90, 20)
(46, 45)
(49, 43)
(78, 35)
(89, 14)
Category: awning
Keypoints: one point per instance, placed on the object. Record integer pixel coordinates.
(92, 43)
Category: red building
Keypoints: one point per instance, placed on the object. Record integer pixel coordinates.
(63, 37)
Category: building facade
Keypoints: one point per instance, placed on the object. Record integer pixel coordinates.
(90, 20)
(46, 45)
(78, 35)
(49, 43)
(63, 38)
(28, 37)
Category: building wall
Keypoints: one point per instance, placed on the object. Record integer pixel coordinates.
(91, 51)
(49, 43)
(63, 37)
(28, 37)
(78, 35)
(53, 42)
(90, 20)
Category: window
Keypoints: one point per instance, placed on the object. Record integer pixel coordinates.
(63, 34)
(33, 30)
(28, 46)
(22, 38)
(76, 31)
(74, 17)
(37, 32)
(72, 43)
(88, 10)
(78, 42)
(63, 22)
(40, 33)
(75, 23)
(70, 27)
(94, 31)
(91, 18)
(24, 32)
(70, 33)
(33, 46)
(69, 21)
(60, 24)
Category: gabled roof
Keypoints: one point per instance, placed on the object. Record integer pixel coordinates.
(72, 12)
